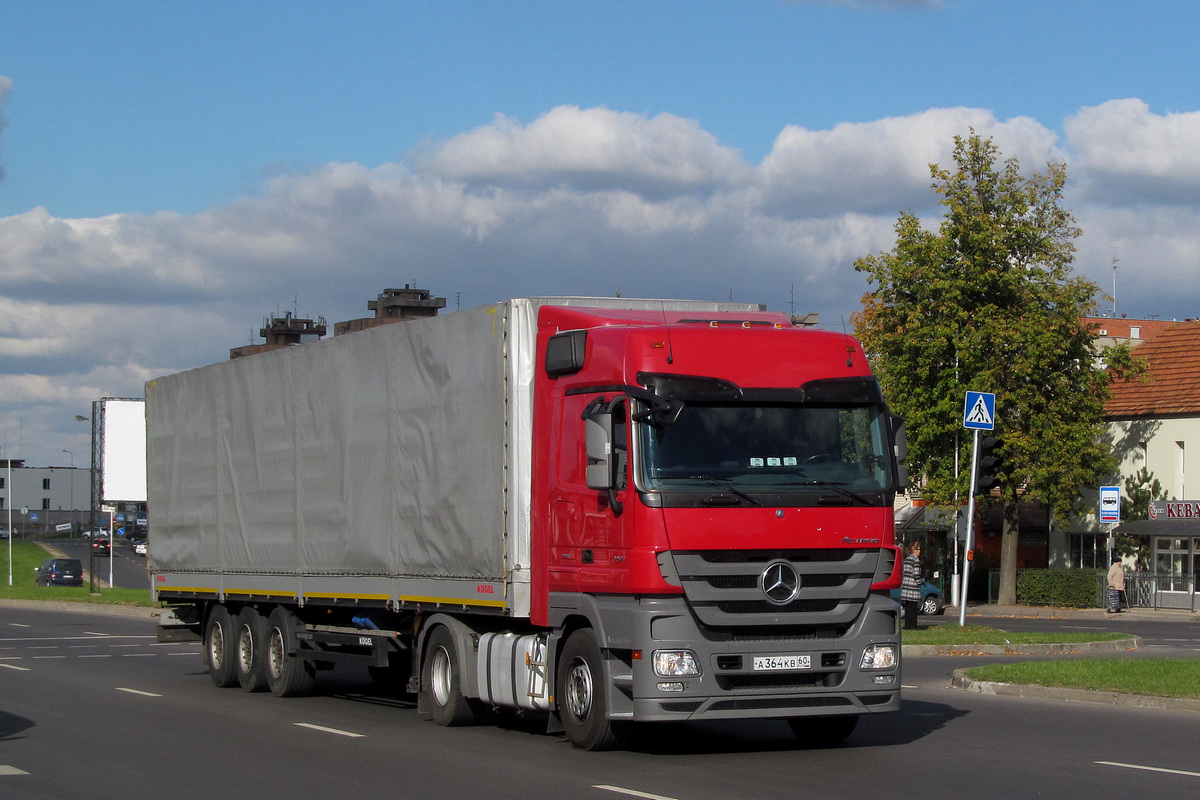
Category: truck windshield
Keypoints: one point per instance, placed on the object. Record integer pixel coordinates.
(775, 448)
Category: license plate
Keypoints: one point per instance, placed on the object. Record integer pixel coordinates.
(768, 663)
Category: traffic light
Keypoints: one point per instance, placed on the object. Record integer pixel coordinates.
(988, 465)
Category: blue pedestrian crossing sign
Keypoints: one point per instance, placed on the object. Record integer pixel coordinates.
(979, 412)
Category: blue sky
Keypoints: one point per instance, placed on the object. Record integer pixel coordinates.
(173, 172)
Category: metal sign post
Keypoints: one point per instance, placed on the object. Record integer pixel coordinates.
(979, 414)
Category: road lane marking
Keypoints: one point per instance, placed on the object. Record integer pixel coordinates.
(1150, 769)
(138, 692)
(95, 655)
(14, 666)
(632, 792)
(5, 769)
(323, 729)
(44, 658)
(20, 625)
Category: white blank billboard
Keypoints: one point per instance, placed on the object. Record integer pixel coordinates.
(123, 466)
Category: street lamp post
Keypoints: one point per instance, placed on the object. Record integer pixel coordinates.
(72, 455)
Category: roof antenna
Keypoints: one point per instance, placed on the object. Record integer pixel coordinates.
(849, 347)
(662, 309)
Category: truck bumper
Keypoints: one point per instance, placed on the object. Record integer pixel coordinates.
(812, 676)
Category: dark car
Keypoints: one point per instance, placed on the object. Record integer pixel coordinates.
(60, 572)
(932, 600)
(101, 547)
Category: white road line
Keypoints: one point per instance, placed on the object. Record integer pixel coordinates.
(196, 653)
(632, 792)
(137, 655)
(323, 729)
(95, 655)
(14, 666)
(20, 625)
(137, 691)
(1150, 769)
(44, 658)
(906, 686)
(5, 769)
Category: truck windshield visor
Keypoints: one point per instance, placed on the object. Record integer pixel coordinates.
(769, 447)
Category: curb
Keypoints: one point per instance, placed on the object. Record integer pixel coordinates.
(960, 681)
(1060, 648)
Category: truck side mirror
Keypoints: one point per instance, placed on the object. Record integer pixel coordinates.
(598, 439)
(900, 449)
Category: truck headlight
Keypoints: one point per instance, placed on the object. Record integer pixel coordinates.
(675, 664)
(879, 656)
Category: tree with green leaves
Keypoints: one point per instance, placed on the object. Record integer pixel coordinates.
(1140, 488)
(987, 302)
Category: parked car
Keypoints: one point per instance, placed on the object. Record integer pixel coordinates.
(140, 547)
(100, 546)
(60, 572)
(933, 602)
(134, 541)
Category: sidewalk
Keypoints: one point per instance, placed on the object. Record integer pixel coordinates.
(978, 611)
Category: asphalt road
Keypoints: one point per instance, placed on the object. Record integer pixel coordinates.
(91, 705)
(128, 568)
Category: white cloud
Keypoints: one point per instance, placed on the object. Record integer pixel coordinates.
(591, 149)
(1129, 154)
(883, 166)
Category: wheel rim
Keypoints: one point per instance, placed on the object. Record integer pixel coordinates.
(931, 605)
(439, 676)
(579, 689)
(216, 646)
(245, 649)
(275, 654)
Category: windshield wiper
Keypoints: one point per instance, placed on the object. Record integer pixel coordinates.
(722, 485)
(837, 487)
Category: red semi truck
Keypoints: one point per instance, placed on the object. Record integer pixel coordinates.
(610, 511)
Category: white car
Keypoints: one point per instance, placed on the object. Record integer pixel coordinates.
(140, 548)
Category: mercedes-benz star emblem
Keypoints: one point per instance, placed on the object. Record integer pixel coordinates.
(779, 583)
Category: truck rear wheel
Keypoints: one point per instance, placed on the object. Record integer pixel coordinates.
(582, 692)
(823, 731)
(251, 650)
(288, 675)
(220, 633)
(442, 678)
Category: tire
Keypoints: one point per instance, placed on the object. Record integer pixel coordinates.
(582, 692)
(441, 677)
(288, 675)
(219, 636)
(931, 606)
(823, 731)
(250, 650)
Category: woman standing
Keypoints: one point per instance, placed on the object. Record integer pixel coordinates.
(910, 588)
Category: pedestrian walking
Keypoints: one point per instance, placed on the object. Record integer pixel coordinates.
(910, 588)
(1116, 586)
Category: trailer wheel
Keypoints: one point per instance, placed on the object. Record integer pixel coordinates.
(251, 650)
(582, 693)
(442, 678)
(219, 636)
(288, 675)
(822, 731)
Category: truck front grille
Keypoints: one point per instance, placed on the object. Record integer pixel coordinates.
(724, 588)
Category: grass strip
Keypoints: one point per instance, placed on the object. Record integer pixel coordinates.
(981, 634)
(28, 556)
(1158, 677)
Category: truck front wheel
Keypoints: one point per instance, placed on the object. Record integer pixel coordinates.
(582, 693)
(288, 675)
(251, 650)
(442, 678)
(219, 636)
